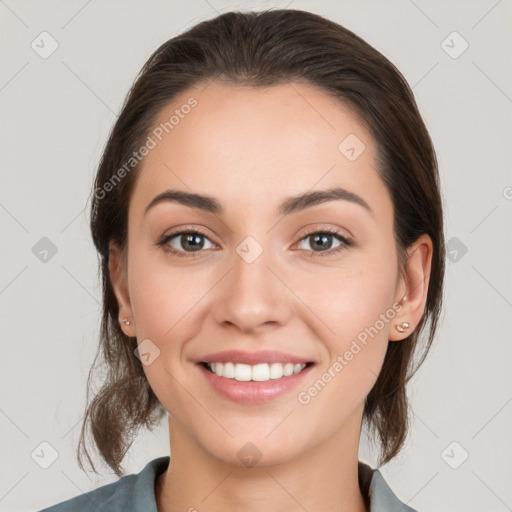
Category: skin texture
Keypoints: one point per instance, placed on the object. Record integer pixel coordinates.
(251, 149)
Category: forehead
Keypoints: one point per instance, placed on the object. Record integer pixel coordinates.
(257, 145)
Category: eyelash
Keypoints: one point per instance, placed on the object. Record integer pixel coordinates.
(346, 243)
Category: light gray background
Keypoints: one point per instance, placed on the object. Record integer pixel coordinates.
(55, 118)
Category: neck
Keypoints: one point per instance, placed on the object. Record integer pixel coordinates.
(323, 478)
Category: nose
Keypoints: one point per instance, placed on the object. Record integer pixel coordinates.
(253, 296)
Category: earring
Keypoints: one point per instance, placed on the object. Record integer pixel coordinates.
(126, 321)
(402, 327)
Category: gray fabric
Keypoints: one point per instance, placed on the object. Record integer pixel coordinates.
(382, 498)
(136, 493)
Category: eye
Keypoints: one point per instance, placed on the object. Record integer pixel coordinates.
(190, 243)
(322, 239)
(184, 243)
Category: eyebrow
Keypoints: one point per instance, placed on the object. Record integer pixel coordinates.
(290, 205)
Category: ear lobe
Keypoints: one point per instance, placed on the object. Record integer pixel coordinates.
(417, 277)
(118, 278)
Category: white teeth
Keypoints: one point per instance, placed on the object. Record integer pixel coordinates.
(276, 371)
(241, 372)
(288, 369)
(229, 370)
(259, 372)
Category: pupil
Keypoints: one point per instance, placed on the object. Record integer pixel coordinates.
(196, 242)
(322, 237)
(193, 241)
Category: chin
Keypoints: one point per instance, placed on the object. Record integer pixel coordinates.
(256, 453)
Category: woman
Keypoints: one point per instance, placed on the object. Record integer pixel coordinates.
(268, 214)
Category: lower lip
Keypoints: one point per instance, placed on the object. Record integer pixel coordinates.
(253, 392)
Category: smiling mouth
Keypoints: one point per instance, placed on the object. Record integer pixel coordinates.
(256, 373)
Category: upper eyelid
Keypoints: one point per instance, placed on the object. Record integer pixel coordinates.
(328, 230)
(181, 232)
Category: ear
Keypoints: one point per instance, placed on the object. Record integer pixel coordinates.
(413, 287)
(118, 278)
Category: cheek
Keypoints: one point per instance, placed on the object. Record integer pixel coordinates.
(353, 295)
(165, 303)
(357, 305)
(361, 308)
(163, 297)
(358, 309)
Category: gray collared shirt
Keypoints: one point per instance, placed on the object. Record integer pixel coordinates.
(136, 493)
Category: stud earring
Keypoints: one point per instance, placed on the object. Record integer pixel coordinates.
(126, 321)
(402, 327)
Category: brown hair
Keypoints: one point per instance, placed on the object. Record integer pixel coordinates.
(261, 49)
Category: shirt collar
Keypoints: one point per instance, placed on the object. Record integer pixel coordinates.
(378, 495)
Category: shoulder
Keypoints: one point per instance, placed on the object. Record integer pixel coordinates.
(129, 493)
(380, 497)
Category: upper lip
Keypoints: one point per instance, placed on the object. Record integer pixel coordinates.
(252, 358)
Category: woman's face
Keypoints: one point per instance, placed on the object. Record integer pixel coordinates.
(261, 276)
